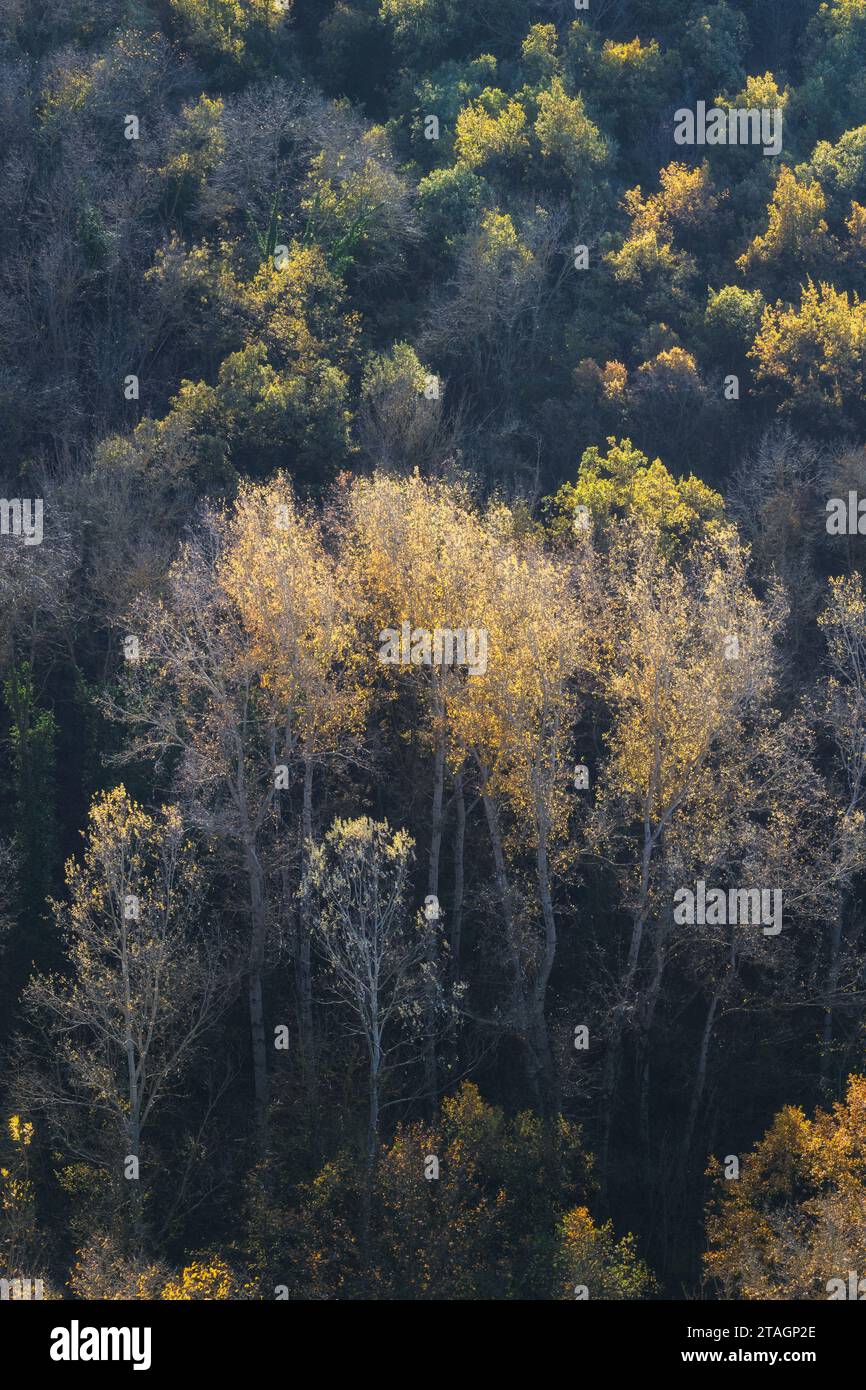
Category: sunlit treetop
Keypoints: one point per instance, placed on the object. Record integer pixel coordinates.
(814, 354)
(793, 1220)
(797, 234)
(623, 486)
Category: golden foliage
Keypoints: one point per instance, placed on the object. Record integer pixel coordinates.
(796, 1218)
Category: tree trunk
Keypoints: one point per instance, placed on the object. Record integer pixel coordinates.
(457, 906)
(830, 994)
(136, 1200)
(700, 1077)
(372, 1154)
(258, 928)
(612, 1060)
(136, 1204)
(431, 1087)
(542, 979)
(303, 963)
(521, 1016)
(650, 1004)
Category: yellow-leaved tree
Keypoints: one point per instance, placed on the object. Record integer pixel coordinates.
(416, 552)
(794, 1224)
(687, 660)
(148, 981)
(300, 614)
(516, 726)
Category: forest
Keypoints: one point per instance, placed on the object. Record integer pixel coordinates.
(433, 649)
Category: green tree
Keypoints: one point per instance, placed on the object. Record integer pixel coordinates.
(624, 486)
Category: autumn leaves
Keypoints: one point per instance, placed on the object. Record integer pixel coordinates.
(639, 633)
(336, 794)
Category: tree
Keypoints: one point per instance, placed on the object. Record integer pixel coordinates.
(467, 1206)
(689, 658)
(401, 417)
(731, 321)
(196, 697)
(491, 133)
(148, 983)
(843, 623)
(301, 616)
(450, 204)
(33, 735)
(774, 498)
(494, 318)
(359, 878)
(19, 1229)
(594, 1264)
(630, 80)
(830, 97)
(814, 356)
(842, 712)
(424, 29)
(797, 238)
(794, 1224)
(623, 486)
(516, 727)
(652, 272)
(567, 138)
(714, 45)
(101, 1271)
(284, 392)
(685, 205)
(226, 33)
(196, 147)
(841, 167)
(413, 549)
(360, 213)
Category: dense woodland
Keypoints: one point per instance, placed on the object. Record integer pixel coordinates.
(331, 976)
